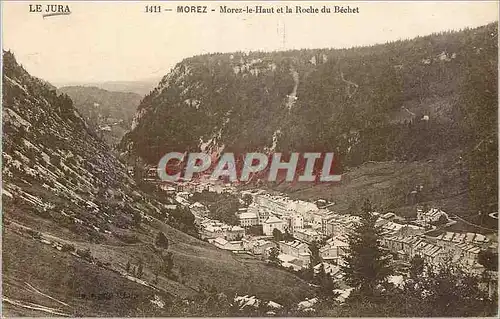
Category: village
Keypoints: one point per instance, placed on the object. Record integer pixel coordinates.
(291, 226)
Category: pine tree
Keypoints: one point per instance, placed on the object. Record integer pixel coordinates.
(325, 281)
(137, 219)
(127, 268)
(277, 234)
(139, 270)
(366, 262)
(273, 256)
(314, 257)
(161, 240)
(416, 266)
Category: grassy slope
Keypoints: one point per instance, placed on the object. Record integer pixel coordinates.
(66, 277)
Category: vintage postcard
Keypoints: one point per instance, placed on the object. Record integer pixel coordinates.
(249, 159)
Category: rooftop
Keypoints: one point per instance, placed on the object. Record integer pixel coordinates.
(273, 220)
(248, 215)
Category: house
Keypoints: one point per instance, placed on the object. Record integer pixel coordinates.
(468, 253)
(293, 248)
(272, 223)
(403, 246)
(170, 189)
(248, 219)
(433, 215)
(234, 233)
(297, 251)
(328, 225)
(275, 204)
(307, 235)
(263, 215)
(234, 246)
(431, 253)
(316, 218)
(301, 207)
(333, 251)
(209, 231)
(260, 246)
(449, 239)
(294, 222)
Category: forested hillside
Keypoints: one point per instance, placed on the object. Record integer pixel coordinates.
(409, 100)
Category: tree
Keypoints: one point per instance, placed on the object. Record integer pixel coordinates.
(325, 281)
(277, 234)
(85, 254)
(442, 220)
(273, 256)
(287, 236)
(247, 199)
(161, 240)
(127, 268)
(139, 269)
(416, 266)
(137, 218)
(446, 290)
(314, 257)
(488, 259)
(366, 262)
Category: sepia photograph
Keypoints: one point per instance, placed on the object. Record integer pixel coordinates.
(249, 159)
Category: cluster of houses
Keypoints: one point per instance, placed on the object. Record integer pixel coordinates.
(306, 223)
(432, 216)
(461, 248)
(278, 212)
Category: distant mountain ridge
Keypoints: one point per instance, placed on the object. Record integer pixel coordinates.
(141, 87)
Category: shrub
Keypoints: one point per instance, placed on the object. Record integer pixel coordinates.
(68, 247)
(85, 254)
(35, 234)
(161, 240)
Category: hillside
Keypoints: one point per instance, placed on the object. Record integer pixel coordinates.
(73, 220)
(109, 113)
(410, 101)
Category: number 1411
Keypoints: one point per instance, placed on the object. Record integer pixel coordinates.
(153, 9)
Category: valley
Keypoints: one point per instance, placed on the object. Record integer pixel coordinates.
(90, 230)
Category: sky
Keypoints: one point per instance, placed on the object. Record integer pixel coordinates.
(118, 41)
